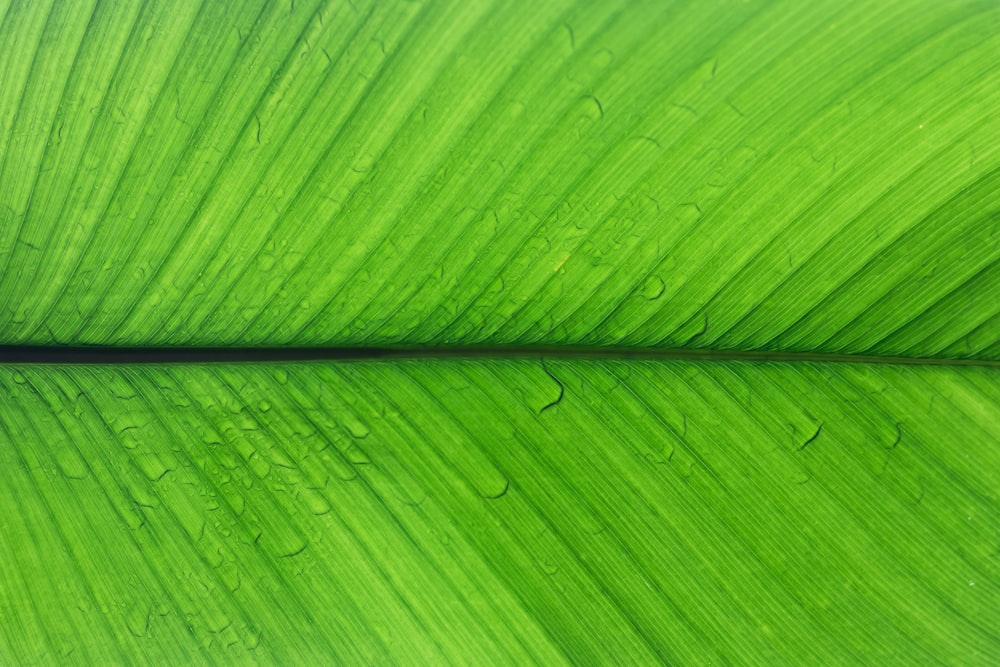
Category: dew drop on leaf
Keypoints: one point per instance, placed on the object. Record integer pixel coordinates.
(266, 262)
(315, 501)
(250, 637)
(137, 619)
(653, 288)
(259, 466)
(355, 427)
(152, 466)
(71, 465)
(356, 456)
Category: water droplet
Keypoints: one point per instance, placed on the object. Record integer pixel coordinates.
(152, 466)
(230, 575)
(266, 262)
(245, 421)
(179, 400)
(226, 457)
(131, 514)
(264, 406)
(356, 456)
(130, 438)
(215, 619)
(212, 551)
(549, 567)
(492, 484)
(602, 58)
(687, 213)
(653, 288)
(331, 458)
(71, 464)
(289, 260)
(281, 375)
(259, 466)
(119, 385)
(143, 496)
(355, 427)
(250, 637)
(137, 619)
(280, 457)
(315, 501)
(19, 378)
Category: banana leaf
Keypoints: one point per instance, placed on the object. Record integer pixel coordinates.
(499, 332)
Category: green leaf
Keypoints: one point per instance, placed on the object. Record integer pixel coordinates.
(656, 231)
(452, 511)
(820, 177)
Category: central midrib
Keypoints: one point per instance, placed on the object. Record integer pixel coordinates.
(34, 354)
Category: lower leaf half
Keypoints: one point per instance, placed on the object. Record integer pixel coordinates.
(500, 511)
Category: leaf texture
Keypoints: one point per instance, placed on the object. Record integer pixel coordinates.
(819, 179)
(814, 176)
(501, 512)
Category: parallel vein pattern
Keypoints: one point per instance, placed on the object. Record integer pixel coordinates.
(500, 512)
(793, 176)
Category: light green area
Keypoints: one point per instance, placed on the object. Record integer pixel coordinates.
(437, 511)
(813, 178)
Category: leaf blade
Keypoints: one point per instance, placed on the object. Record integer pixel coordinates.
(436, 501)
(812, 178)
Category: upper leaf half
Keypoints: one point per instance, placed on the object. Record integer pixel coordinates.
(818, 176)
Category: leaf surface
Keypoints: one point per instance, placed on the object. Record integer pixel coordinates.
(432, 511)
(814, 177)
(726, 179)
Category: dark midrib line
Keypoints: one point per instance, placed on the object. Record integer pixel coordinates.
(97, 355)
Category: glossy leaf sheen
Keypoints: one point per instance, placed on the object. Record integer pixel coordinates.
(815, 177)
(430, 511)
(802, 176)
